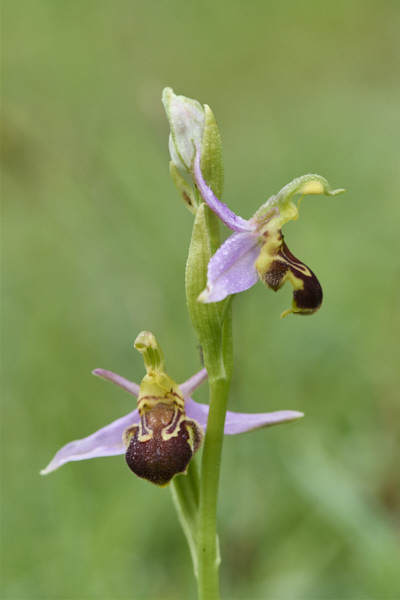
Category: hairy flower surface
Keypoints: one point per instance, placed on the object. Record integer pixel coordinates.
(257, 249)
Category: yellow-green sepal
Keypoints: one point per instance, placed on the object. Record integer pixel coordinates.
(183, 188)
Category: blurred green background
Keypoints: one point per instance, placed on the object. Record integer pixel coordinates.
(94, 249)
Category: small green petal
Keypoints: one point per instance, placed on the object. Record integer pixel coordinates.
(183, 188)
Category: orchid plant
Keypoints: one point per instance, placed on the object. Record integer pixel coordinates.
(161, 436)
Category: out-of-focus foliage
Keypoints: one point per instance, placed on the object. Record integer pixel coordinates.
(94, 249)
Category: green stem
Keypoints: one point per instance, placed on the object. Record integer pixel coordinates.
(185, 494)
(208, 557)
(207, 545)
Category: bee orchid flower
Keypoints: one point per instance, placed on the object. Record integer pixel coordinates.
(257, 250)
(160, 436)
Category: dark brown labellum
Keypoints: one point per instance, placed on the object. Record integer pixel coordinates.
(161, 457)
(307, 292)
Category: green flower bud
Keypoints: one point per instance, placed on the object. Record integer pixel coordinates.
(187, 121)
(193, 129)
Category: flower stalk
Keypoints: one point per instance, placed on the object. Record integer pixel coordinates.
(215, 338)
(212, 323)
(207, 546)
(185, 494)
